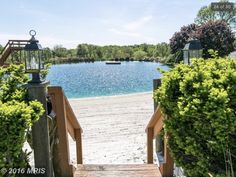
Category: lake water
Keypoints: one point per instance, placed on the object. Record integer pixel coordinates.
(98, 79)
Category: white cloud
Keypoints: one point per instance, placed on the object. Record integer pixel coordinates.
(129, 29)
(137, 24)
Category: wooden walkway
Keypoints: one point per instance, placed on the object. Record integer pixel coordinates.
(135, 170)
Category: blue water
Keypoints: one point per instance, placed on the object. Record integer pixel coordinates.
(98, 79)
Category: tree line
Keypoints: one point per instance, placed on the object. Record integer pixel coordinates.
(90, 52)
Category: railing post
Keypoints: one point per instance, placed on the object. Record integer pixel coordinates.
(167, 169)
(150, 145)
(78, 139)
(40, 131)
(156, 85)
(61, 154)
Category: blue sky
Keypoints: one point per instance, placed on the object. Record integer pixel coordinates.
(101, 22)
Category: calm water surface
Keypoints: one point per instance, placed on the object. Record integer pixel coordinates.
(98, 79)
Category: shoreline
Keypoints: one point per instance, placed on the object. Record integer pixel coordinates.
(110, 96)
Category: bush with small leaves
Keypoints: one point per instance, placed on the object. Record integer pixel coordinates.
(199, 102)
(216, 35)
(17, 115)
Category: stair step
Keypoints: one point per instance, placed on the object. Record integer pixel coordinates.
(125, 170)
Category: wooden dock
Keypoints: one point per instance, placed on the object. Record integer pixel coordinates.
(125, 170)
(113, 62)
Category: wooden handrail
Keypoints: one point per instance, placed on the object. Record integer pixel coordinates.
(153, 129)
(12, 42)
(66, 123)
(12, 45)
(156, 122)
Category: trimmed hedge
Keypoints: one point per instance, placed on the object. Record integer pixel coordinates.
(17, 115)
(200, 104)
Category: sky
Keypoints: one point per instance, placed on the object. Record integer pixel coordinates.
(101, 22)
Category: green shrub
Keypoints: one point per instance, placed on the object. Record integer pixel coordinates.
(17, 115)
(11, 81)
(200, 104)
(15, 119)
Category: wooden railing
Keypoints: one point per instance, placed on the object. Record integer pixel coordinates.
(12, 45)
(66, 123)
(153, 129)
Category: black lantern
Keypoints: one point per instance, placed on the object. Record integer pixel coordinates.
(192, 49)
(33, 53)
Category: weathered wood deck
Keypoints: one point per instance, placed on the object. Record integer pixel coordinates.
(131, 170)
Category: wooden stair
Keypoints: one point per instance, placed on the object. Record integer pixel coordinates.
(11, 46)
(67, 124)
(125, 170)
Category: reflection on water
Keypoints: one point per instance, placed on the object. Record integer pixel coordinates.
(98, 79)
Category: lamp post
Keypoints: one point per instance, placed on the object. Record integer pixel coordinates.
(192, 49)
(33, 53)
(37, 90)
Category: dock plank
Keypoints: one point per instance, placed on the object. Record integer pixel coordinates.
(124, 170)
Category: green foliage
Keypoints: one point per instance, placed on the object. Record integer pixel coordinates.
(206, 14)
(216, 35)
(16, 116)
(213, 54)
(179, 39)
(140, 55)
(44, 72)
(89, 52)
(59, 51)
(200, 103)
(11, 80)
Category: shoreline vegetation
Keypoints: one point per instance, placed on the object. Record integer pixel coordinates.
(91, 53)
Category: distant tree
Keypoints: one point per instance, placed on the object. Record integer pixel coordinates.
(151, 51)
(139, 55)
(162, 50)
(144, 47)
(47, 54)
(60, 51)
(82, 50)
(1, 47)
(216, 35)
(128, 52)
(71, 52)
(179, 39)
(206, 14)
(109, 52)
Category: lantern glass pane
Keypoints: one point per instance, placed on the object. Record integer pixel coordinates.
(41, 56)
(195, 53)
(32, 61)
(200, 53)
(186, 56)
